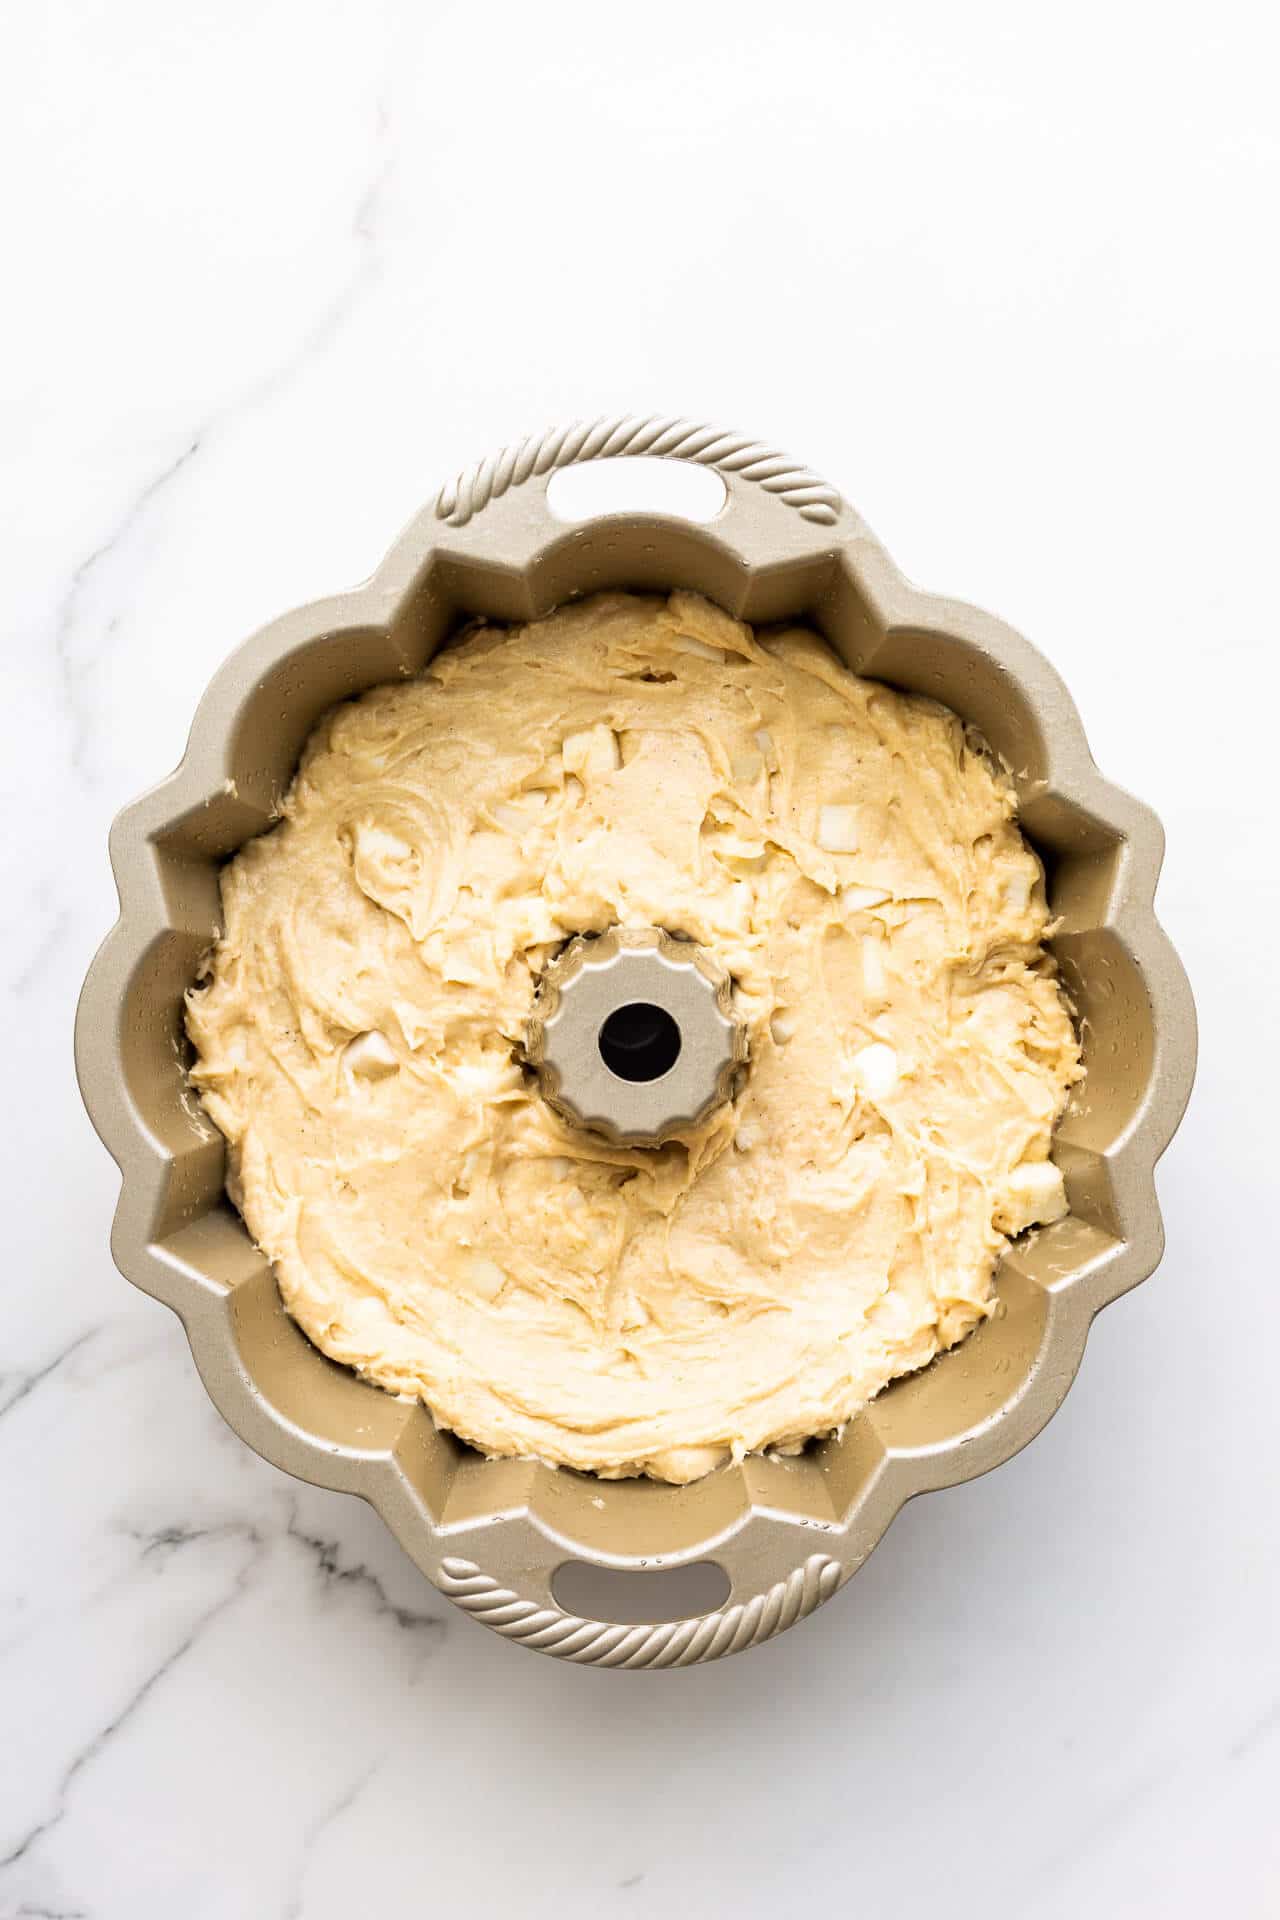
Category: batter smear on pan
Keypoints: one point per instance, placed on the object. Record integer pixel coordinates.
(849, 855)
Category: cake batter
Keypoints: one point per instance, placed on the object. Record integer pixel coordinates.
(848, 854)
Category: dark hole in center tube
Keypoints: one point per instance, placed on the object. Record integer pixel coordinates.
(639, 1041)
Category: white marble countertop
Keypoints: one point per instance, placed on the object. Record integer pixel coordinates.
(1003, 277)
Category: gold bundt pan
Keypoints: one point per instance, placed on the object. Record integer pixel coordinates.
(496, 1534)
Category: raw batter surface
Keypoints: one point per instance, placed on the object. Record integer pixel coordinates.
(847, 853)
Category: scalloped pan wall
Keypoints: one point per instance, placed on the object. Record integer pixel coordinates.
(492, 1534)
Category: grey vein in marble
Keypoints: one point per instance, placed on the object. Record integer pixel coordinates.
(323, 1823)
(79, 715)
(87, 1754)
(16, 1388)
(1256, 1733)
(41, 953)
(328, 1564)
(323, 329)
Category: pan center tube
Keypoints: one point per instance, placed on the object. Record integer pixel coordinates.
(634, 1035)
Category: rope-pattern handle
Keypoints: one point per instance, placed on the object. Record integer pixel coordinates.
(669, 1643)
(611, 439)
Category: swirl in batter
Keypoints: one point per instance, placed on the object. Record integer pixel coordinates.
(847, 853)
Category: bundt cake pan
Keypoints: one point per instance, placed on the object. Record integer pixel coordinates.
(496, 1535)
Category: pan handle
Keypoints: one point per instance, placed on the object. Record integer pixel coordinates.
(748, 467)
(521, 1607)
